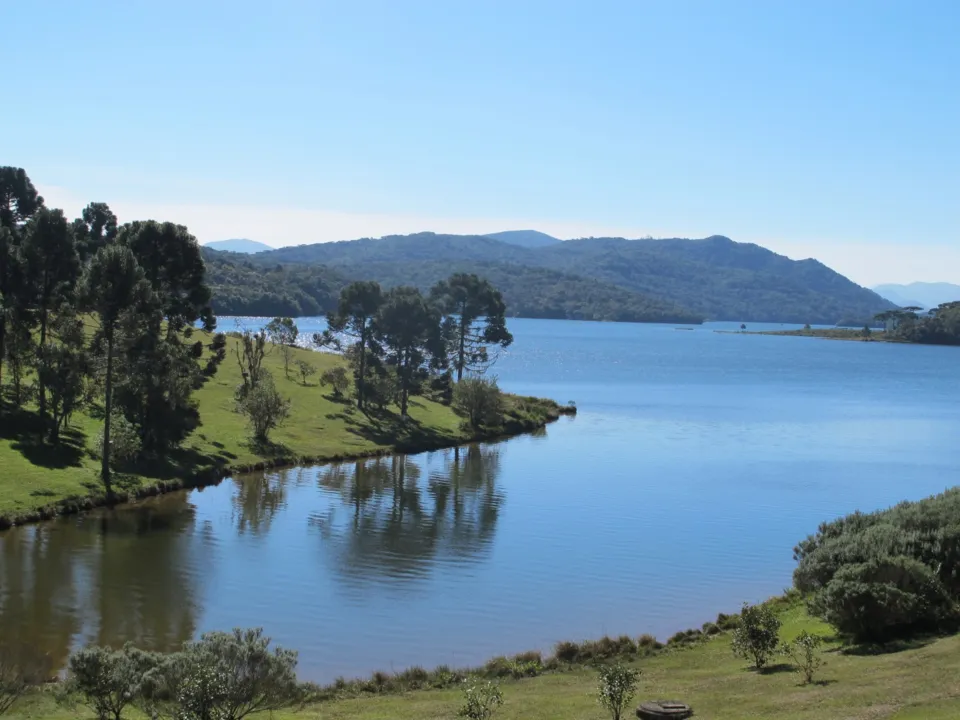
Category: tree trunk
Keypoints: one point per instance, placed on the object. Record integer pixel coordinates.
(462, 350)
(41, 386)
(108, 407)
(3, 352)
(361, 375)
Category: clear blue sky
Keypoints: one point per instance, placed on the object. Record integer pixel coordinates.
(817, 128)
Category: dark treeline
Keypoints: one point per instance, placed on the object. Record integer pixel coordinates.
(100, 316)
(940, 326)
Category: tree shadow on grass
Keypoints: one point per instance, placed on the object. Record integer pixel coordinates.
(888, 648)
(385, 427)
(26, 432)
(776, 669)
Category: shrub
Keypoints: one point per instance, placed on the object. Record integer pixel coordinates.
(305, 370)
(19, 670)
(338, 379)
(566, 651)
(225, 676)
(264, 407)
(884, 599)
(479, 400)
(805, 653)
(480, 700)
(648, 644)
(107, 681)
(414, 678)
(757, 634)
(727, 622)
(124, 441)
(616, 688)
(710, 628)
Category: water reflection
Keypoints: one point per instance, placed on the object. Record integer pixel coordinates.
(392, 524)
(106, 578)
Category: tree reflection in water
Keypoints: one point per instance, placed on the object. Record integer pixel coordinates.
(400, 525)
(108, 577)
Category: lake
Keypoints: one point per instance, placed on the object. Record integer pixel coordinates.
(697, 461)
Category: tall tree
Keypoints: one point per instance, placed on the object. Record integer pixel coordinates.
(171, 261)
(53, 268)
(113, 285)
(354, 317)
(61, 370)
(408, 328)
(19, 202)
(474, 319)
(96, 227)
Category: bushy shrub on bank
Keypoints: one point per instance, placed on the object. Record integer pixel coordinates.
(888, 574)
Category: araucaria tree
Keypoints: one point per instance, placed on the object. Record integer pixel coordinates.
(113, 287)
(356, 311)
(52, 270)
(19, 202)
(407, 328)
(474, 321)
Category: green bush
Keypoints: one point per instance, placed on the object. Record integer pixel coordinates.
(338, 379)
(883, 599)
(224, 676)
(805, 653)
(479, 400)
(107, 681)
(566, 651)
(616, 687)
(264, 406)
(480, 700)
(757, 634)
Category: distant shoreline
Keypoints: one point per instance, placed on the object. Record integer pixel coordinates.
(824, 334)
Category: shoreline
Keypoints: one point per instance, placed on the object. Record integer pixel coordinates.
(210, 476)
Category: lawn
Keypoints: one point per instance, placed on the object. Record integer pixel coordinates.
(922, 682)
(35, 475)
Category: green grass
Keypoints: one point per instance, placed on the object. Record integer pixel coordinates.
(37, 479)
(920, 682)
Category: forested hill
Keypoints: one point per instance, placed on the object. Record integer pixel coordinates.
(242, 287)
(715, 278)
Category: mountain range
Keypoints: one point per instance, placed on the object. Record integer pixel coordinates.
(672, 280)
(239, 245)
(919, 294)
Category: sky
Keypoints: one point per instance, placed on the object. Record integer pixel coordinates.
(823, 128)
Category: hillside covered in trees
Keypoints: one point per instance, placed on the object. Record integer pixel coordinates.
(714, 278)
(243, 286)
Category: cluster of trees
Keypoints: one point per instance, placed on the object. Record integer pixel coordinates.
(398, 340)
(887, 574)
(221, 676)
(940, 326)
(94, 313)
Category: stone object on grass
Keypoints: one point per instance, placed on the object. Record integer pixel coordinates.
(660, 709)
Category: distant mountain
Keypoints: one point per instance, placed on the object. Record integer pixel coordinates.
(922, 294)
(525, 238)
(715, 278)
(239, 245)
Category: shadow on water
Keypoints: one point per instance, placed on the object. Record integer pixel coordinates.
(394, 524)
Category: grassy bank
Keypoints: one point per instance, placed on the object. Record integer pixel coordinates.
(906, 683)
(825, 333)
(37, 480)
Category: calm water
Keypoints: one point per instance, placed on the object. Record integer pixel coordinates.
(697, 461)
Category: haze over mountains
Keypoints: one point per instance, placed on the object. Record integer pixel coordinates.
(921, 294)
(239, 245)
(671, 280)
